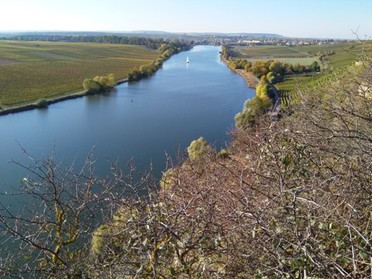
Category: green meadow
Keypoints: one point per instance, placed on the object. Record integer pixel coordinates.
(33, 70)
(268, 52)
(344, 53)
(338, 55)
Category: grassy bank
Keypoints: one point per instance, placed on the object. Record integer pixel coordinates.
(33, 70)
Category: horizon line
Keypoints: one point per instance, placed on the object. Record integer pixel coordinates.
(166, 32)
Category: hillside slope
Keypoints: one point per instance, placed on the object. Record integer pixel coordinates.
(290, 199)
(287, 199)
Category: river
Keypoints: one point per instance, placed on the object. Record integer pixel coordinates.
(140, 120)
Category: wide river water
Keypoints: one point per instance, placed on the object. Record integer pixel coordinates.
(141, 120)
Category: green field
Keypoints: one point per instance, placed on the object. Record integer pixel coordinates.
(291, 60)
(291, 55)
(295, 82)
(33, 70)
(345, 53)
(268, 52)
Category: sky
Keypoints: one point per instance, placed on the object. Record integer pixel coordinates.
(293, 18)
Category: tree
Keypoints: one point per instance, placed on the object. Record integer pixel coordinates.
(253, 109)
(92, 86)
(63, 209)
(134, 75)
(271, 77)
(248, 66)
(106, 82)
(111, 80)
(99, 83)
(298, 68)
(277, 68)
(314, 67)
(262, 90)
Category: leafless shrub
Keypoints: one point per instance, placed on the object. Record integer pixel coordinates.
(292, 200)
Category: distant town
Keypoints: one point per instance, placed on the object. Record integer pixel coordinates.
(286, 41)
(262, 39)
(245, 39)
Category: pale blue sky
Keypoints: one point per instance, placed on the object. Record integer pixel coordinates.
(294, 18)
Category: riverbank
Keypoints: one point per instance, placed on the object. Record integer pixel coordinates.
(250, 78)
(140, 111)
(49, 101)
(43, 98)
(36, 70)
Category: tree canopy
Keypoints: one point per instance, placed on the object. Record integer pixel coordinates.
(99, 83)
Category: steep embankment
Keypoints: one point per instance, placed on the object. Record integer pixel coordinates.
(288, 199)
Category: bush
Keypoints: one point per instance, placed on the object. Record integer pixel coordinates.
(244, 118)
(41, 103)
(197, 148)
(145, 70)
(91, 86)
(99, 83)
(258, 105)
(134, 75)
(98, 238)
(106, 82)
(167, 179)
(271, 77)
(223, 154)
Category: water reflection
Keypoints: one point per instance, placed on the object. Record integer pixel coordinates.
(140, 120)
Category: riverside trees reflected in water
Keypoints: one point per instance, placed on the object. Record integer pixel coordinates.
(297, 189)
(140, 120)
